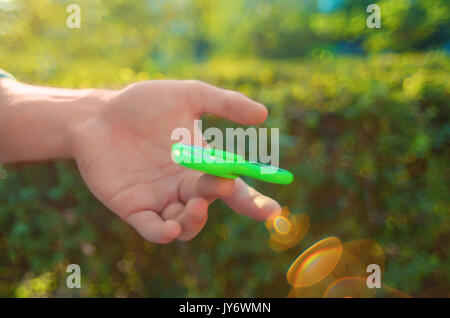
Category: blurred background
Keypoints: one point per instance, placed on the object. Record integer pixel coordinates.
(364, 123)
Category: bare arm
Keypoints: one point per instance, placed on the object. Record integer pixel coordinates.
(34, 120)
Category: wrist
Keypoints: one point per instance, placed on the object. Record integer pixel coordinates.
(35, 122)
(86, 106)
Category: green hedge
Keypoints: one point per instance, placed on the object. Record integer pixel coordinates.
(366, 138)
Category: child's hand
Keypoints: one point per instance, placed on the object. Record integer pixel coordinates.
(124, 155)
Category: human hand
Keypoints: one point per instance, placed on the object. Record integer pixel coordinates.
(123, 152)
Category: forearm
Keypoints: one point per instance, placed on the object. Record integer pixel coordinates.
(35, 121)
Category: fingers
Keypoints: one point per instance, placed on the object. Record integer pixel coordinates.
(172, 211)
(205, 186)
(191, 217)
(185, 221)
(227, 104)
(153, 228)
(246, 200)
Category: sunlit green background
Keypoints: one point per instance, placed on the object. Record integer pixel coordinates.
(364, 121)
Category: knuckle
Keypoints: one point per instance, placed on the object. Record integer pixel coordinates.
(194, 91)
(235, 95)
(195, 85)
(228, 99)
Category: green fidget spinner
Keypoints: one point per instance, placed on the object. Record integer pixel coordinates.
(226, 164)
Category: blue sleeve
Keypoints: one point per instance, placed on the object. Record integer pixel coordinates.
(6, 74)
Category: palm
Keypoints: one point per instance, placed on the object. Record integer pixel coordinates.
(124, 157)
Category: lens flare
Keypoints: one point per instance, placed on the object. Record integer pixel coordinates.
(315, 291)
(348, 278)
(315, 263)
(389, 292)
(356, 287)
(286, 229)
(356, 256)
(282, 225)
(269, 223)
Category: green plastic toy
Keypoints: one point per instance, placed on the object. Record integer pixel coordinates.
(226, 164)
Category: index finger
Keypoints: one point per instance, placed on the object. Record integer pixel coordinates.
(228, 104)
(246, 200)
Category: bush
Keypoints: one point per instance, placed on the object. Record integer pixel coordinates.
(366, 138)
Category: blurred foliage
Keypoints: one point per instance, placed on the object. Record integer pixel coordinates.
(364, 118)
